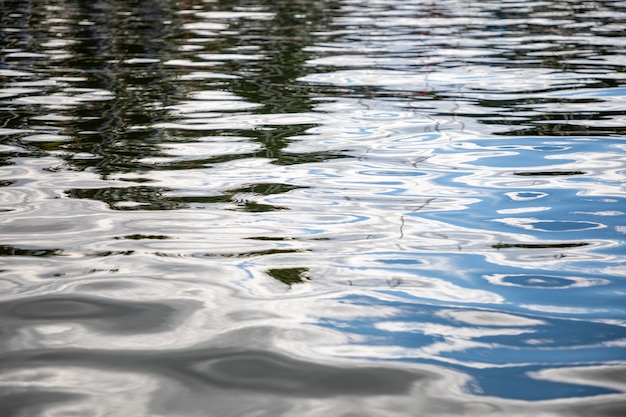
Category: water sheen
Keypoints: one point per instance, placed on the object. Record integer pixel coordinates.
(312, 208)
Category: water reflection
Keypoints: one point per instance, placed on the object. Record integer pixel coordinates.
(494, 348)
(312, 208)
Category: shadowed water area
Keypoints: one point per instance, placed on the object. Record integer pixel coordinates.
(320, 208)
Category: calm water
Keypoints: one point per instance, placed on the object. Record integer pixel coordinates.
(331, 208)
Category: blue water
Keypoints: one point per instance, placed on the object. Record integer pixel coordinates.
(312, 208)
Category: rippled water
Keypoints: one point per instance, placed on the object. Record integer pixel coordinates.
(312, 208)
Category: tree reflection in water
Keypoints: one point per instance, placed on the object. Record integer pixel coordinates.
(311, 208)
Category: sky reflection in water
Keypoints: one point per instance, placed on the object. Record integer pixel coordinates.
(250, 208)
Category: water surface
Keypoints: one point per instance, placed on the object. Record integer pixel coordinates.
(312, 208)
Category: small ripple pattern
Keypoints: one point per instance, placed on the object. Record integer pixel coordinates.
(313, 208)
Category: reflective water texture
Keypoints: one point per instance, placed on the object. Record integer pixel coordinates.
(312, 208)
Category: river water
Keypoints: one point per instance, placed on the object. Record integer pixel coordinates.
(312, 208)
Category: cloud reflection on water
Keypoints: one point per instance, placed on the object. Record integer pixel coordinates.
(311, 208)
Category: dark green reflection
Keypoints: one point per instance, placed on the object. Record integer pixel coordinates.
(271, 81)
(121, 52)
(245, 203)
(252, 207)
(139, 236)
(146, 198)
(257, 253)
(539, 245)
(8, 250)
(549, 173)
(159, 198)
(289, 276)
(112, 78)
